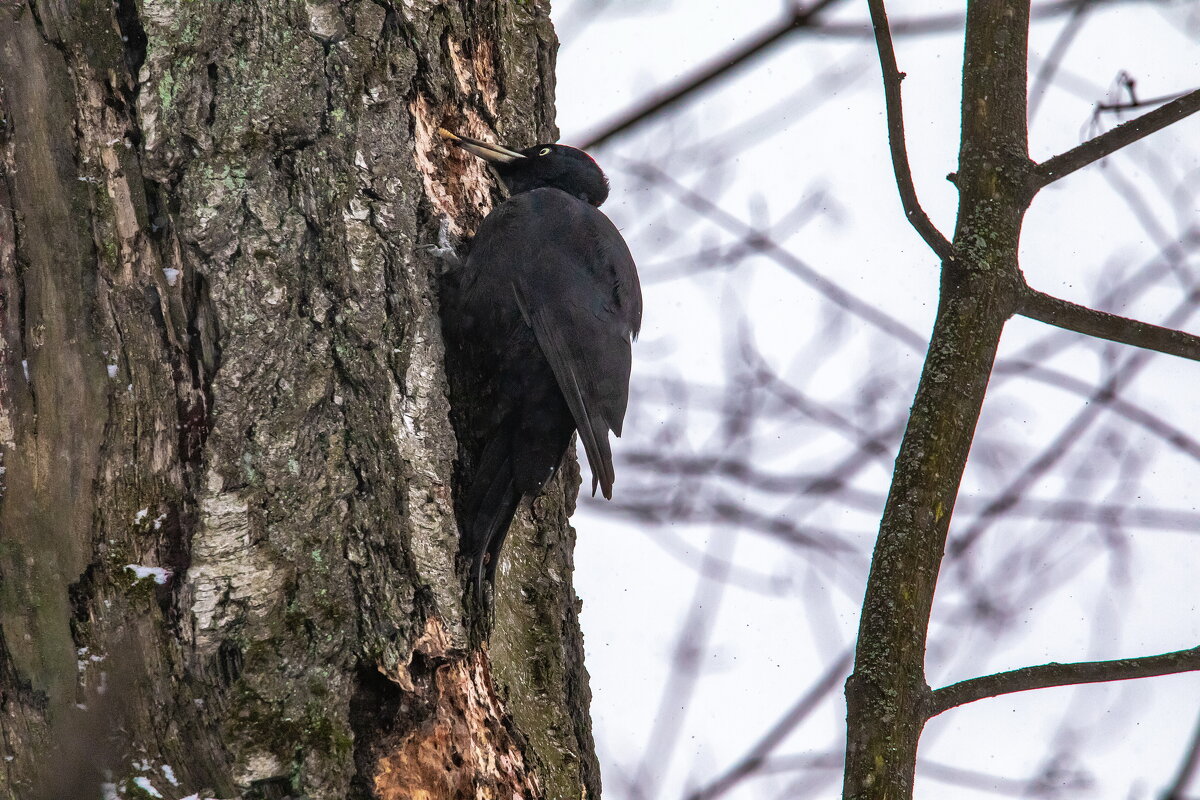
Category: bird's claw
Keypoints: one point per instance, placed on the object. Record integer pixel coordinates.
(444, 250)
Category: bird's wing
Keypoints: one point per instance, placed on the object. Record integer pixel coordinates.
(589, 395)
(578, 289)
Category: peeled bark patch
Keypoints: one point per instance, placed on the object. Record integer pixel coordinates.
(464, 748)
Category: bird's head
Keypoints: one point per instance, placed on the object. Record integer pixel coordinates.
(543, 165)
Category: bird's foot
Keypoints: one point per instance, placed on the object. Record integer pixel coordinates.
(444, 249)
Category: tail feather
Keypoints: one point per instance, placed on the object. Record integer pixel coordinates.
(488, 510)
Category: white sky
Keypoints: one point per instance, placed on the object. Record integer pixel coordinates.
(765, 650)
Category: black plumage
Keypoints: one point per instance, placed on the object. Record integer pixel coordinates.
(544, 312)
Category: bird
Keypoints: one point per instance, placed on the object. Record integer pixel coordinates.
(544, 311)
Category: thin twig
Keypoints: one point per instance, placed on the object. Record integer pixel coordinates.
(1111, 141)
(1081, 319)
(1047, 675)
(1132, 104)
(895, 121)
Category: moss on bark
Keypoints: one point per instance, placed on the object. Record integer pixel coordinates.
(235, 375)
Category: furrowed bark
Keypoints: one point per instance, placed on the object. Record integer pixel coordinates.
(887, 695)
(220, 356)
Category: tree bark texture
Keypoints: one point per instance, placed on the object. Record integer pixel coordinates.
(220, 356)
(888, 699)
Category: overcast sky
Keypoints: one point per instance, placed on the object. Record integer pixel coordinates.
(789, 614)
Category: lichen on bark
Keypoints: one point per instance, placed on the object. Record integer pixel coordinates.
(220, 356)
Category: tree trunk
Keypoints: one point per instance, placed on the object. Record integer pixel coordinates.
(220, 357)
(888, 700)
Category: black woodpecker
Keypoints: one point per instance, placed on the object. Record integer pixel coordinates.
(544, 311)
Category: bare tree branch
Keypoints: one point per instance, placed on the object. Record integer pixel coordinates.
(887, 694)
(1081, 319)
(1111, 141)
(1047, 675)
(895, 121)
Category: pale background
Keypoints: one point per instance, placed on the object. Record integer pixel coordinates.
(803, 152)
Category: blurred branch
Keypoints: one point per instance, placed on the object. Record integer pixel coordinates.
(714, 70)
(1058, 447)
(772, 249)
(1081, 319)
(972, 779)
(757, 755)
(686, 667)
(892, 76)
(809, 99)
(1047, 675)
(673, 468)
(728, 256)
(1171, 434)
(1048, 68)
(1187, 769)
(948, 23)
(800, 20)
(1111, 141)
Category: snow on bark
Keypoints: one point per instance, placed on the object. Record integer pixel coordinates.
(223, 202)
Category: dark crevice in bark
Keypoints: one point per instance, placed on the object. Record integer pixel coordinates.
(57, 44)
(80, 595)
(391, 27)
(270, 789)
(546, 59)
(16, 687)
(374, 710)
(174, 553)
(230, 657)
(157, 214)
(133, 35)
(212, 74)
(204, 354)
(178, 521)
(396, 31)
(19, 269)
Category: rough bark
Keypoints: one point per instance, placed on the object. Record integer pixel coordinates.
(888, 700)
(220, 356)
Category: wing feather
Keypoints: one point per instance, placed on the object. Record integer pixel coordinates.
(591, 423)
(575, 284)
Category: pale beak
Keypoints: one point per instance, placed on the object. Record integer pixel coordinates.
(488, 152)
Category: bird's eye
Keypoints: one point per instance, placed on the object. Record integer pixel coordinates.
(544, 151)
